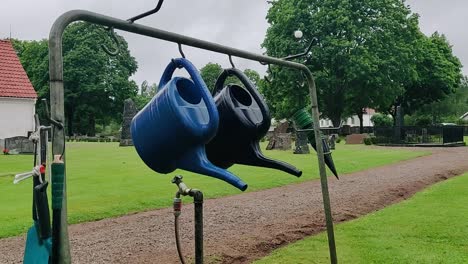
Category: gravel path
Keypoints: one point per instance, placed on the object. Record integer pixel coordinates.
(245, 227)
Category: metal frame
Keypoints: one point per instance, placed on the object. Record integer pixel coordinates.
(57, 96)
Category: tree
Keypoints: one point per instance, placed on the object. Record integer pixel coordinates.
(211, 71)
(362, 53)
(437, 74)
(34, 57)
(147, 92)
(380, 120)
(96, 84)
(447, 110)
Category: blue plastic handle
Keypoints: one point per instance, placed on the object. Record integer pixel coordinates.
(198, 81)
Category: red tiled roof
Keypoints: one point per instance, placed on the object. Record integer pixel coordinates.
(13, 79)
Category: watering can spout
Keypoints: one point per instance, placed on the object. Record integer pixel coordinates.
(304, 121)
(198, 162)
(254, 157)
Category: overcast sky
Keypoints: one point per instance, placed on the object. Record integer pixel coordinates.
(237, 23)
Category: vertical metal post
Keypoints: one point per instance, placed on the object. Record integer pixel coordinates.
(58, 144)
(321, 162)
(198, 204)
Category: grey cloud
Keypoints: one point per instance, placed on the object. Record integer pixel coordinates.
(236, 23)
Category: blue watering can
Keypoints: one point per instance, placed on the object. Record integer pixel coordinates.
(244, 120)
(171, 131)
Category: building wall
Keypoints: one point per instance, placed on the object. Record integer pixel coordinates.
(350, 121)
(16, 116)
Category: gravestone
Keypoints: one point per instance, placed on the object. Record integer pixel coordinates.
(399, 124)
(356, 138)
(280, 139)
(129, 112)
(302, 146)
(19, 145)
(331, 141)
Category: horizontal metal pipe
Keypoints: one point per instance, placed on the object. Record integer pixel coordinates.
(76, 15)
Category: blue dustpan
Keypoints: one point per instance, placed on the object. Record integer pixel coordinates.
(37, 250)
(171, 131)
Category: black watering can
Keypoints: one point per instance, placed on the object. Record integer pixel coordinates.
(244, 120)
(172, 130)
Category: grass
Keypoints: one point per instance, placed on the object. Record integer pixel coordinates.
(105, 180)
(466, 140)
(431, 227)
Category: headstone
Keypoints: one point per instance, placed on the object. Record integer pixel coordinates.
(302, 146)
(129, 112)
(425, 137)
(356, 138)
(331, 141)
(280, 139)
(399, 123)
(20, 145)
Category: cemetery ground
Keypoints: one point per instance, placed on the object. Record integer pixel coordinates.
(106, 181)
(431, 227)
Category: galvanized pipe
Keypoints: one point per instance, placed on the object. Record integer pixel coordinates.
(57, 95)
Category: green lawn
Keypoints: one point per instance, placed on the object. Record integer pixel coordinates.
(105, 180)
(466, 139)
(431, 227)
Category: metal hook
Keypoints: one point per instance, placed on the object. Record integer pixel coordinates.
(145, 14)
(290, 57)
(230, 60)
(115, 52)
(180, 50)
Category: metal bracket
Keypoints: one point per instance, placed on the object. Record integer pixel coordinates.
(145, 14)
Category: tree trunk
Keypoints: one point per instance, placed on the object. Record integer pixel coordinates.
(91, 126)
(361, 121)
(70, 121)
(336, 120)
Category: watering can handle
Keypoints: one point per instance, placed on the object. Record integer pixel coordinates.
(197, 79)
(249, 86)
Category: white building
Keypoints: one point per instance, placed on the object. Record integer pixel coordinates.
(17, 95)
(352, 121)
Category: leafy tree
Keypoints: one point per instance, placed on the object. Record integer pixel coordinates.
(252, 75)
(381, 120)
(437, 74)
(211, 71)
(447, 110)
(96, 84)
(362, 53)
(147, 92)
(34, 56)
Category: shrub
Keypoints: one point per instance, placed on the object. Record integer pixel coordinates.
(367, 141)
(381, 120)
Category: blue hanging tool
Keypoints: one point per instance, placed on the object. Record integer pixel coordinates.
(171, 131)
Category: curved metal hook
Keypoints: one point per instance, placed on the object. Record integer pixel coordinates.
(147, 13)
(290, 57)
(115, 52)
(181, 51)
(232, 63)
